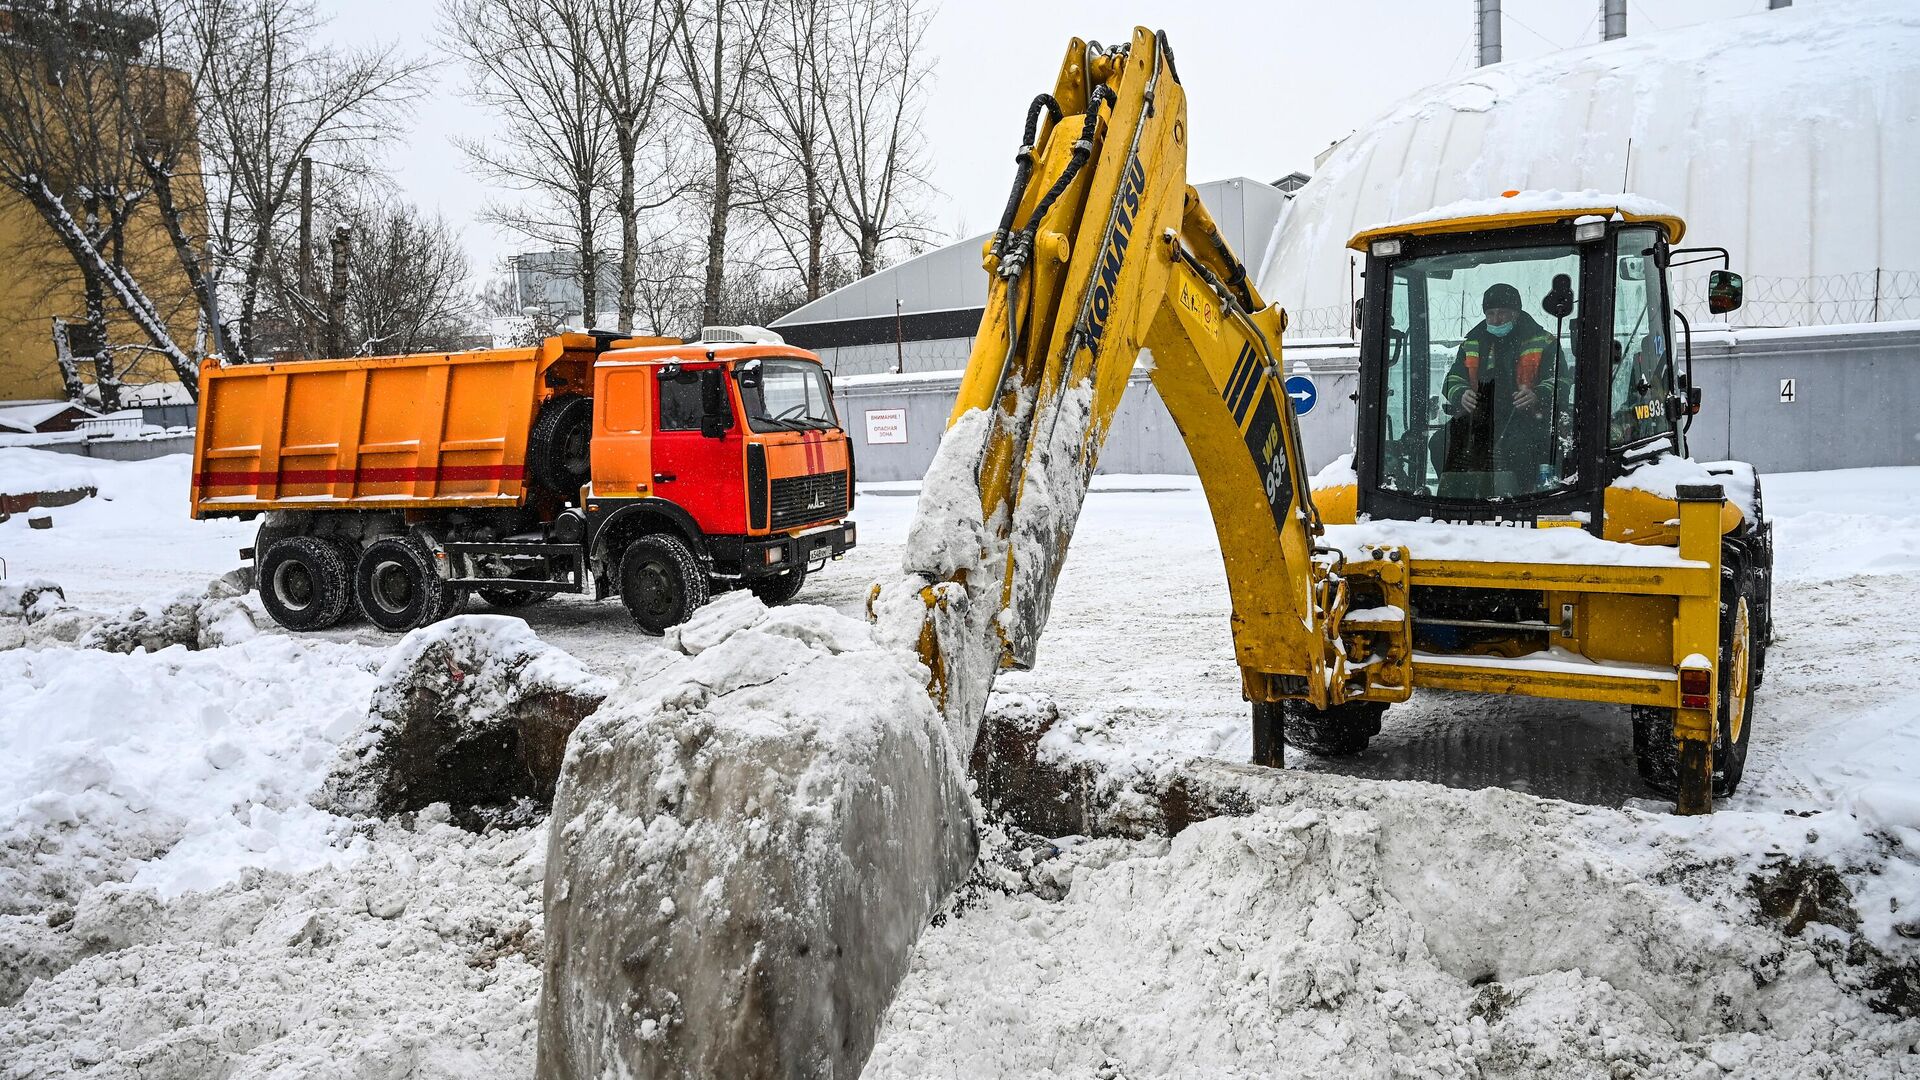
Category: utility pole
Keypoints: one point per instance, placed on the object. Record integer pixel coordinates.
(1486, 30)
(337, 295)
(306, 256)
(1613, 20)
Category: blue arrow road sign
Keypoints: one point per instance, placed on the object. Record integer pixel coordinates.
(1301, 391)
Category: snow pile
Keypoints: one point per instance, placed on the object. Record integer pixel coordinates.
(1362, 928)
(474, 711)
(221, 614)
(746, 841)
(31, 600)
(420, 960)
(35, 472)
(171, 769)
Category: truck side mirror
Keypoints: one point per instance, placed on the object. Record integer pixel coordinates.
(1725, 291)
(715, 417)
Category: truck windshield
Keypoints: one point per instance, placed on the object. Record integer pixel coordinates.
(1479, 385)
(791, 395)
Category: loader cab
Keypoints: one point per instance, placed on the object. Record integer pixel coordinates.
(1513, 363)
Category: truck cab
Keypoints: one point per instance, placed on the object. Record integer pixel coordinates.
(731, 446)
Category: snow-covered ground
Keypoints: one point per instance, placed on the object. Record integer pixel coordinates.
(172, 903)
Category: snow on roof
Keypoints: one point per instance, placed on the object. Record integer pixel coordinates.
(1558, 204)
(1790, 137)
(27, 416)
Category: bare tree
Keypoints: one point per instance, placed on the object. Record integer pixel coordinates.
(876, 88)
(794, 183)
(407, 283)
(533, 64)
(718, 46)
(273, 94)
(633, 41)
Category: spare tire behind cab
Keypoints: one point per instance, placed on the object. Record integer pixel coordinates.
(559, 446)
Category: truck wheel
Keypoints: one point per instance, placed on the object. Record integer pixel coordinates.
(559, 448)
(398, 587)
(1341, 731)
(304, 582)
(662, 582)
(510, 599)
(781, 589)
(1657, 752)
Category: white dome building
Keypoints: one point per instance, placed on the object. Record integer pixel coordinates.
(1790, 137)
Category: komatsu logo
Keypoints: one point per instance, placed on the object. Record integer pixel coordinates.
(1133, 184)
(1500, 523)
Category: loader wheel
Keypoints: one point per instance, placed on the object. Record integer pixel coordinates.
(559, 448)
(398, 586)
(304, 582)
(662, 582)
(1657, 752)
(781, 589)
(1341, 731)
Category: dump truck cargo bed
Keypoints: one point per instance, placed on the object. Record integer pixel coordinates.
(398, 432)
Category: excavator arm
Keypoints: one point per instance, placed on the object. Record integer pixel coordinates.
(1106, 255)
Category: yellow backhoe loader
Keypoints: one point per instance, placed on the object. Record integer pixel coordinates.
(1520, 516)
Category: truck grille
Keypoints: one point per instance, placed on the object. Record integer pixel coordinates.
(798, 500)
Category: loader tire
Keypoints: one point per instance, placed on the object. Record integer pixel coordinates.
(399, 587)
(1657, 752)
(305, 583)
(1341, 731)
(559, 448)
(662, 582)
(781, 589)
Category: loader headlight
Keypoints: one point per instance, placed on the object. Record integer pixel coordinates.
(1386, 249)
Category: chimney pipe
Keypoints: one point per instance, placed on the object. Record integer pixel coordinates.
(1486, 30)
(1613, 19)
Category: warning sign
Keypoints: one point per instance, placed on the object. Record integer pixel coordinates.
(886, 426)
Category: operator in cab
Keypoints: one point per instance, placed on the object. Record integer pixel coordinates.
(1499, 392)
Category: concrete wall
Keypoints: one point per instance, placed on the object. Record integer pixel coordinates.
(122, 449)
(1856, 403)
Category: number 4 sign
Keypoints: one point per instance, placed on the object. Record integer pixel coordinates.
(1786, 391)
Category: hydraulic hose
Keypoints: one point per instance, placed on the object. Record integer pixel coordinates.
(1020, 245)
(1023, 165)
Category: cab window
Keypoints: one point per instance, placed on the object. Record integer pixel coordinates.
(1479, 384)
(681, 394)
(1642, 377)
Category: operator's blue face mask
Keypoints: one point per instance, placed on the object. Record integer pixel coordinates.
(1500, 331)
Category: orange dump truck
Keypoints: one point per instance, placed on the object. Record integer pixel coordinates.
(649, 468)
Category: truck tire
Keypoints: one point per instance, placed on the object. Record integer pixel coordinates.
(1657, 753)
(662, 582)
(398, 586)
(559, 448)
(305, 583)
(781, 589)
(1341, 731)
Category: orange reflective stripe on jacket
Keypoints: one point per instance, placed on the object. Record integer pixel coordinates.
(1526, 370)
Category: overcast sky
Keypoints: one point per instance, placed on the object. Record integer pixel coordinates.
(1269, 84)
